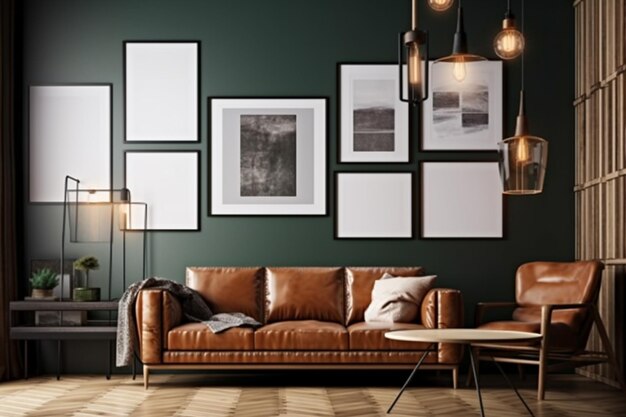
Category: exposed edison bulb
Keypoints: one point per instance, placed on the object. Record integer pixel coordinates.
(440, 5)
(509, 43)
(459, 70)
(415, 70)
(523, 153)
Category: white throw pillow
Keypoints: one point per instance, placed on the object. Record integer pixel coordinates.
(398, 300)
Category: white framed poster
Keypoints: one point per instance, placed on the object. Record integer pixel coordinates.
(465, 115)
(376, 205)
(168, 182)
(461, 200)
(69, 134)
(161, 90)
(268, 156)
(374, 123)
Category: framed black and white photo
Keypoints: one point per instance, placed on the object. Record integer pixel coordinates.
(168, 182)
(161, 91)
(374, 205)
(461, 200)
(268, 156)
(374, 123)
(465, 115)
(69, 134)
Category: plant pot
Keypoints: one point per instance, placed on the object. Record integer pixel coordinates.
(86, 294)
(40, 293)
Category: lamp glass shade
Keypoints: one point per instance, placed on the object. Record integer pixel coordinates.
(523, 160)
(440, 5)
(509, 43)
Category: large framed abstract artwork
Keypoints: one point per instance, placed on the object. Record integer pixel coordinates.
(374, 123)
(461, 200)
(161, 91)
(268, 156)
(466, 115)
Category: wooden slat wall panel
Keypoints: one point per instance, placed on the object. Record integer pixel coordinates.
(601, 159)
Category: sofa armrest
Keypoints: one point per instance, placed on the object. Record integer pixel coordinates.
(156, 312)
(442, 308)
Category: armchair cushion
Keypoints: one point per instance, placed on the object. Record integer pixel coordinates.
(562, 336)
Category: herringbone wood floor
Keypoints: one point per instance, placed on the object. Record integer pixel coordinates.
(295, 394)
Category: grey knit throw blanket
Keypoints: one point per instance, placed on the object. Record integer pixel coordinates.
(194, 309)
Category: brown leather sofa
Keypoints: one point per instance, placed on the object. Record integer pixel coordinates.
(313, 319)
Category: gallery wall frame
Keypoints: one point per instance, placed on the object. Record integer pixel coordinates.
(70, 131)
(483, 137)
(169, 106)
(401, 198)
(466, 191)
(161, 175)
(226, 199)
(399, 136)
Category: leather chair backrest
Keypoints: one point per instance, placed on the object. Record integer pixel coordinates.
(314, 293)
(229, 290)
(541, 283)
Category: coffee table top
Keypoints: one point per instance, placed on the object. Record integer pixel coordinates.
(461, 336)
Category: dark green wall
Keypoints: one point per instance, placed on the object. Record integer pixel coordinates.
(291, 48)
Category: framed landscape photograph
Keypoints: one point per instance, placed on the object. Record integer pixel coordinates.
(161, 91)
(268, 156)
(374, 123)
(466, 115)
(374, 205)
(461, 200)
(168, 182)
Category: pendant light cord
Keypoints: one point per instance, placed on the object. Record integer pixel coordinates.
(524, 51)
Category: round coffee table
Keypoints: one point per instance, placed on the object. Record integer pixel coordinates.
(466, 337)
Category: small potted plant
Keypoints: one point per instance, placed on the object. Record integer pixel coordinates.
(42, 282)
(83, 292)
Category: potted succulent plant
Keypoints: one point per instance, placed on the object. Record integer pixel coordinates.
(82, 291)
(42, 282)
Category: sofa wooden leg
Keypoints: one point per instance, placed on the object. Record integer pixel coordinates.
(455, 377)
(146, 376)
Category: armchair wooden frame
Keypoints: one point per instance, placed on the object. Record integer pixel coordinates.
(541, 355)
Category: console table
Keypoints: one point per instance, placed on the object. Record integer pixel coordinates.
(106, 330)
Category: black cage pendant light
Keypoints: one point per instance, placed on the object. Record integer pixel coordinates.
(414, 45)
(460, 56)
(522, 158)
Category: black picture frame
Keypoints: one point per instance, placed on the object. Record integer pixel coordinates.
(198, 187)
(411, 117)
(211, 151)
(462, 238)
(198, 93)
(385, 238)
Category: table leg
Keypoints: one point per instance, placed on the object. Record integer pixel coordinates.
(134, 367)
(513, 387)
(476, 378)
(408, 381)
(58, 360)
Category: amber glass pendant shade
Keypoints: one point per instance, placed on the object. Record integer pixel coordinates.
(440, 5)
(522, 159)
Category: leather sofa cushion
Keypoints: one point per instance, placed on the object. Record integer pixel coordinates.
(304, 294)
(197, 336)
(359, 283)
(371, 336)
(229, 290)
(301, 335)
(562, 336)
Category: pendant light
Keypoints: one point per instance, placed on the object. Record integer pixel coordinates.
(523, 157)
(509, 43)
(460, 56)
(415, 43)
(440, 5)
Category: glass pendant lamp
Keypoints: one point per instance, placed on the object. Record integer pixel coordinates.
(413, 44)
(509, 43)
(460, 56)
(440, 5)
(522, 158)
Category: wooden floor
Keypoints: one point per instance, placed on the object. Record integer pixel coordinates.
(295, 394)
